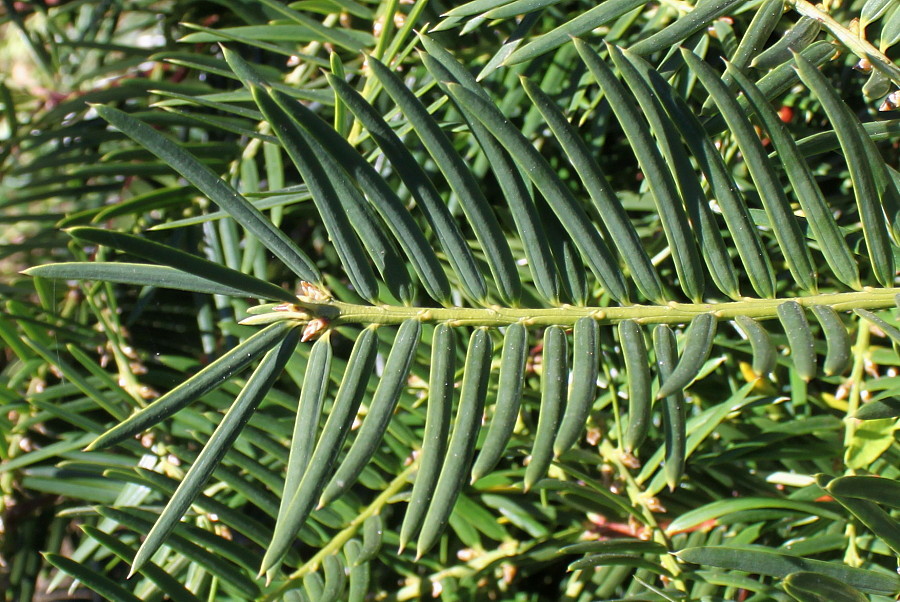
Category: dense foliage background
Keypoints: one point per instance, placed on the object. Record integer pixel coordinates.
(767, 471)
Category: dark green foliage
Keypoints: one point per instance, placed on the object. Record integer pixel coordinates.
(244, 245)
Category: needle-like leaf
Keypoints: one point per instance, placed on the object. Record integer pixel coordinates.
(193, 388)
(134, 273)
(479, 213)
(592, 247)
(191, 264)
(216, 189)
(218, 444)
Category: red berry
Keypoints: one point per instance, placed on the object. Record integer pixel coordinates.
(786, 114)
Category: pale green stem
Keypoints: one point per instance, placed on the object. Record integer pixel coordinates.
(113, 332)
(371, 86)
(635, 495)
(575, 585)
(857, 44)
(387, 27)
(860, 353)
(851, 554)
(640, 499)
(679, 5)
(305, 70)
(508, 549)
(334, 546)
(337, 312)
(617, 413)
(413, 589)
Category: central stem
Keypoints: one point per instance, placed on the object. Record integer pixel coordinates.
(338, 312)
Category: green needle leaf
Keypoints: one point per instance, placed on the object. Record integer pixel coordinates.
(334, 217)
(674, 414)
(381, 409)
(888, 407)
(892, 332)
(851, 137)
(197, 386)
(707, 230)
(580, 25)
(420, 186)
(879, 522)
(583, 388)
(722, 508)
(204, 549)
(186, 262)
(219, 191)
(478, 211)
(781, 217)
(509, 398)
(698, 343)
(722, 186)
(615, 546)
(101, 584)
(462, 442)
(800, 338)
(174, 590)
(671, 210)
(698, 18)
(761, 27)
(819, 215)
(638, 381)
(343, 411)
(437, 425)
(219, 443)
(554, 386)
(444, 68)
(610, 209)
(777, 564)
(370, 229)
(309, 411)
(592, 247)
(874, 489)
(384, 200)
(805, 586)
(140, 274)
